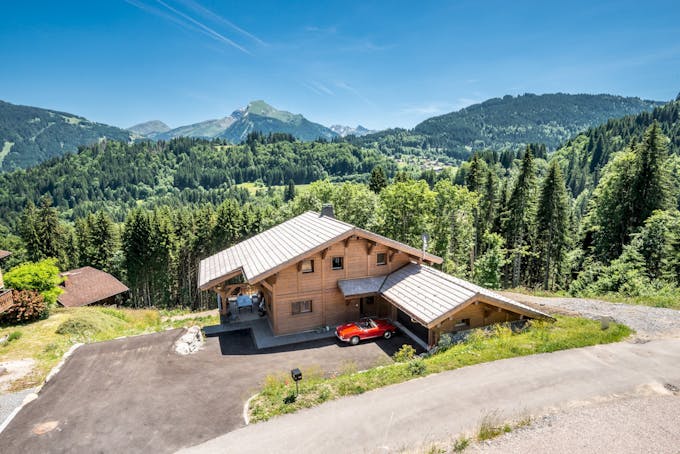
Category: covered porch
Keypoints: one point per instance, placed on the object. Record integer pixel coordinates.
(364, 293)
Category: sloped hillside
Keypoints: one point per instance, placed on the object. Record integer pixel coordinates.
(30, 135)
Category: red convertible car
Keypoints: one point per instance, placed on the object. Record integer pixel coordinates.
(366, 328)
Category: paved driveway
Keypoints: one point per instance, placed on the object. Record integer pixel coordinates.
(137, 395)
(409, 416)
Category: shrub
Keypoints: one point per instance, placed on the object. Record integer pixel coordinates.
(445, 342)
(89, 322)
(14, 335)
(461, 444)
(405, 353)
(42, 277)
(417, 367)
(78, 326)
(28, 306)
(490, 428)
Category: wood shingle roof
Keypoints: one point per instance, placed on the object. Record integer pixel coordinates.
(88, 285)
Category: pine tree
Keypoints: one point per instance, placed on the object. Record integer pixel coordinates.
(378, 179)
(521, 215)
(137, 253)
(475, 178)
(104, 241)
(289, 193)
(28, 229)
(650, 186)
(633, 185)
(488, 208)
(552, 223)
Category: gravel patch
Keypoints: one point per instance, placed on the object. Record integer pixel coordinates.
(642, 424)
(648, 322)
(10, 401)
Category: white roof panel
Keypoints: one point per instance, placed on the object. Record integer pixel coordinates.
(271, 248)
(427, 294)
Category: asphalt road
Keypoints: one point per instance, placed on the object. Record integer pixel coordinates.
(432, 408)
(635, 425)
(136, 395)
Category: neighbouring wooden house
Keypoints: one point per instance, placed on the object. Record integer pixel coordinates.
(5, 294)
(89, 285)
(315, 270)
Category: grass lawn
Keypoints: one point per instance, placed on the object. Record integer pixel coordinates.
(277, 396)
(253, 187)
(667, 299)
(45, 341)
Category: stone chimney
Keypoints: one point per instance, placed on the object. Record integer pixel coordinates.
(327, 210)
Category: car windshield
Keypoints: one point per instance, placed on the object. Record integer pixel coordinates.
(365, 324)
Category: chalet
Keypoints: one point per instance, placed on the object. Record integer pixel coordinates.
(316, 271)
(5, 294)
(89, 285)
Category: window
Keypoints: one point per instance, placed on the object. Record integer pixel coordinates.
(307, 266)
(381, 259)
(301, 307)
(463, 323)
(336, 263)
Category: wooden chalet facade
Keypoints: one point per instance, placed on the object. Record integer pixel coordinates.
(317, 271)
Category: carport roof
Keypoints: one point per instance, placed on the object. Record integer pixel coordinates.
(362, 286)
(429, 294)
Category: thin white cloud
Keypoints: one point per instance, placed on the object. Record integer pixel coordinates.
(185, 21)
(208, 31)
(365, 46)
(162, 14)
(437, 108)
(425, 109)
(321, 87)
(323, 30)
(350, 89)
(211, 15)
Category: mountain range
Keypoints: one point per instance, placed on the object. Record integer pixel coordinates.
(256, 116)
(30, 135)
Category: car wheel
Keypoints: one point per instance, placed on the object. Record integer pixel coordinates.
(354, 340)
(387, 334)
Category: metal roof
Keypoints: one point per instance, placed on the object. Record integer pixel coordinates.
(428, 294)
(271, 248)
(361, 286)
(267, 252)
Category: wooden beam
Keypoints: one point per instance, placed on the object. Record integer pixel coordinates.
(370, 246)
(324, 253)
(347, 241)
(299, 266)
(392, 253)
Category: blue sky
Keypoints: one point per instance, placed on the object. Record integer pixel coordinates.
(378, 64)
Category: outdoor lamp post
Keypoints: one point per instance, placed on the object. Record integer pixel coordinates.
(297, 376)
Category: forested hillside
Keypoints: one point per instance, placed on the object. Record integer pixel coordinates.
(29, 135)
(117, 176)
(148, 212)
(584, 157)
(510, 122)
